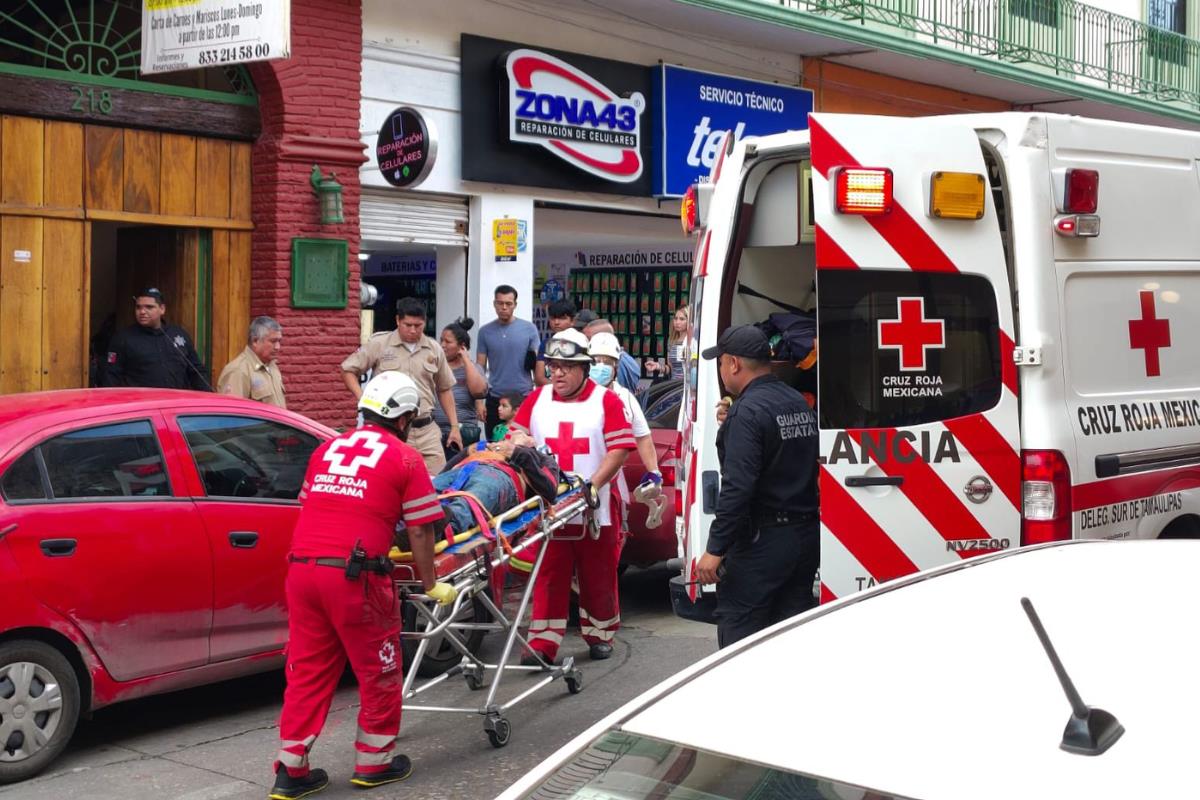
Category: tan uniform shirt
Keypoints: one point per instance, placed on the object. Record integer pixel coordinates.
(247, 376)
(385, 352)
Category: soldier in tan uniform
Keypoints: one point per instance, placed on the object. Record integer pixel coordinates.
(408, 350)
(254, 374)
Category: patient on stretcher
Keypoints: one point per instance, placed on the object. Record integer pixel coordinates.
(487, 479)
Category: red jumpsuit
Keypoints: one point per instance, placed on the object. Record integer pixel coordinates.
(356, 489)
(579, 432)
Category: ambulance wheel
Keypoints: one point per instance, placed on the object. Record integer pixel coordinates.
(440, 654)
(574, 680)
(39, 706)
(498, 731)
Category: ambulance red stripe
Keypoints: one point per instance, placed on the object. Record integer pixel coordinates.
(827, 595)
(1008, 368)
(859, 533)
(1134, 487)
(830, 255)
(993, 452)
(926, 490)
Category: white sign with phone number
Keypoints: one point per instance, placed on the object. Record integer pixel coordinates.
(192, 34)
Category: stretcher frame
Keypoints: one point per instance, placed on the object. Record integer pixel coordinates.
(535, 522)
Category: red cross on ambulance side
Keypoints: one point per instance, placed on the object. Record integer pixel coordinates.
(911, 334)
(360, 449)
(1149, 334)
(566, 446)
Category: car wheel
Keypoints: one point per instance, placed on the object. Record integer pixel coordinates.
(39, 706)
(440, 654)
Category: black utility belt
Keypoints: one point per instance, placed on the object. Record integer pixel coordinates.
(420, 422)
(380, 565)
(779, 519)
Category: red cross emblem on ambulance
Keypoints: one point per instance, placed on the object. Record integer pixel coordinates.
(1149, 334)
(911, 334)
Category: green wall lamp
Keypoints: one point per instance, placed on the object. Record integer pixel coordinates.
(329, 193)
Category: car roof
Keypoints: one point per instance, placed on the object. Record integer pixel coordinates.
(33, 410)
(941, 689)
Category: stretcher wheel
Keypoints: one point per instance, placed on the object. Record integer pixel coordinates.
(574, 680)
(498, 731)
(474, 682)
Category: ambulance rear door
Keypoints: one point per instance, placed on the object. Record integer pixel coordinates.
(917, 401)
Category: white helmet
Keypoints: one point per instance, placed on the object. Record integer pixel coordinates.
(568, 345)
(604, 344)
(390, 395)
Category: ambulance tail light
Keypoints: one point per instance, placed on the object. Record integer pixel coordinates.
(1082, 191)
(866, 191)
(1046, 497)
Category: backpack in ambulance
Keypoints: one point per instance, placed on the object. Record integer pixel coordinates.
(944, 434)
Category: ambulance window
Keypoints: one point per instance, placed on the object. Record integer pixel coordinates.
(905, 348)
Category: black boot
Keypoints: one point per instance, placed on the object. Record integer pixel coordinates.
(600, 651)
(398, 770)
(288, 788)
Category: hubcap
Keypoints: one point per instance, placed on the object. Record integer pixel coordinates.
(31, 707)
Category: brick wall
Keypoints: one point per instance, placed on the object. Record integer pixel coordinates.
(310, 115)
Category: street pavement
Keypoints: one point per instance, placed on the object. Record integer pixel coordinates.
(218, 742)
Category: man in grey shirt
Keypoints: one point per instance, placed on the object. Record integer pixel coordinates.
(508, 349)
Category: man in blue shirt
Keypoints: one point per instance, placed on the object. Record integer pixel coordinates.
(628, 370)
(508, 350)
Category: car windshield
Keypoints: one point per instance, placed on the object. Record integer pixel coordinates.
(625, 766)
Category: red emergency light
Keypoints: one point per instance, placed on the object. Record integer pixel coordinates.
(1082, 192)
(866, 191)
(687, 210)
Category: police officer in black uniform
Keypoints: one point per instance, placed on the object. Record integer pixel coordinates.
(153, 352)
(765, 538)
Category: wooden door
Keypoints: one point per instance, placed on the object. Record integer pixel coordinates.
(44, 256)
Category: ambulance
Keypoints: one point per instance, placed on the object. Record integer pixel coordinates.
(1007, 312)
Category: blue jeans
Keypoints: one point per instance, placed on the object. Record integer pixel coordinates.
(490, 484)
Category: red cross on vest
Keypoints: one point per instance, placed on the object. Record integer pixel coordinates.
(911, 333)
(360, 449)
(1149, 333)
(566, 447)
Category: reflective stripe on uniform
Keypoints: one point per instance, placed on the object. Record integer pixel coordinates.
(373, 748)
(293, 753)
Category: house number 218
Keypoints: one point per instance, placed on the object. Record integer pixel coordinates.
(90, 100)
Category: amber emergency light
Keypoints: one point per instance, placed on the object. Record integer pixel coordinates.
(866, 191)
(956, 195)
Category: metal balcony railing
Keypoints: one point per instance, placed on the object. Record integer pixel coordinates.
(1060, 37)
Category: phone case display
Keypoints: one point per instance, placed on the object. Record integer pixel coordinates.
(639, 303)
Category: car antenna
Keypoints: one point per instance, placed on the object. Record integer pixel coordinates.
(1090, 731)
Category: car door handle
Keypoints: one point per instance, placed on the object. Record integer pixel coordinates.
(243, 538)
(58, 548)
(874, 480)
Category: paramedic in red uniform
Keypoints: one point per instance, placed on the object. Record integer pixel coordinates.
(340, 597)
(587, 428)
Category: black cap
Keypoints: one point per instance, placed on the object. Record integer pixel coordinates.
(582, 319)
(150, 291)
(746, 341)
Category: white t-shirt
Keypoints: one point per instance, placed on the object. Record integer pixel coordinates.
(637, 420)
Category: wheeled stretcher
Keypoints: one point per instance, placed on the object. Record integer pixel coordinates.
(475, 562)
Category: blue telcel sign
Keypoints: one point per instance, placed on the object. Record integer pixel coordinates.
(695, 109)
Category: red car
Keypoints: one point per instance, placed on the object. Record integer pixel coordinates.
(644, 545)
(143, 542)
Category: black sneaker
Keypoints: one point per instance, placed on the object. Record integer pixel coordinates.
(600, 651)
(288, 788)
(400, 768)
